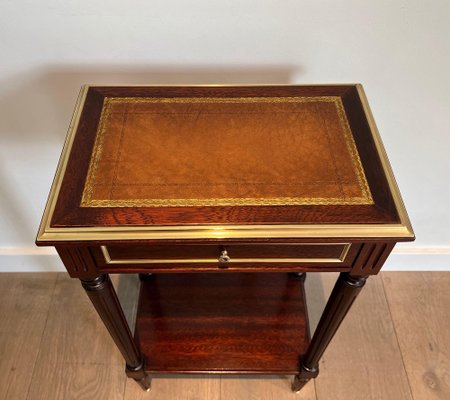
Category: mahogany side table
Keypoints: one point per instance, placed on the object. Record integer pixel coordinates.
(222, 198)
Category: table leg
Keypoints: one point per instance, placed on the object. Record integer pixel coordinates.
(104, 298)
(341, 299)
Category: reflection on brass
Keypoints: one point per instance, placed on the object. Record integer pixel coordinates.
(146, 232)
(88, 200)
(47, 233)
(340, 259)
(224, 257)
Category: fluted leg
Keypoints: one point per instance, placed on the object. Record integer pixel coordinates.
(104, 298)
(341, 299)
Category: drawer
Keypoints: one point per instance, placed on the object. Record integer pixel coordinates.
(225, 255)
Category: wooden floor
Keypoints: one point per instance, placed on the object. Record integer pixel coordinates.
(393, 345)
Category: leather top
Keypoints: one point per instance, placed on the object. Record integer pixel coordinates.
(152, 152)
(232, 162)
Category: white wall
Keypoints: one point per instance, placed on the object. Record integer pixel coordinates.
(398, 49)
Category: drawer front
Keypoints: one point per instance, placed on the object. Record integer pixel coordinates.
(226, 255)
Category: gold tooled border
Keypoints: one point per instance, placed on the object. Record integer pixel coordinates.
(48, 235)
(88, 201)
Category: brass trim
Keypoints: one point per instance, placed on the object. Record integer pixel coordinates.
(395, 191)
(340, 259)
(49, 234)
(62, 164)
(236, 85)
(78, 234)
(88, 201)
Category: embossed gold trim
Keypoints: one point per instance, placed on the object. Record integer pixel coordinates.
(232, 201)
(48, 234)
(340, 259)
(88, 201)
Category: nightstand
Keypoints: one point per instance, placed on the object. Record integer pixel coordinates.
(222, 198)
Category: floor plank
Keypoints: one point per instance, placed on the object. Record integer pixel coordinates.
(63, 341)
(74, 332)
(180, 387)
(78, 381)
(263, 388)
(420, 307)
(278, 387)
(363, 360)
(75, 344)
(24, 305)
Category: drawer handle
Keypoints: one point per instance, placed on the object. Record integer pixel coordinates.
(224, 257)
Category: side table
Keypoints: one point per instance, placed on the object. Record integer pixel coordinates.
(222, 198)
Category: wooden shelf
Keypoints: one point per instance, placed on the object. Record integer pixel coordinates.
(222, 323)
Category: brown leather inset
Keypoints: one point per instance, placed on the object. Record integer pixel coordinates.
(224, 151)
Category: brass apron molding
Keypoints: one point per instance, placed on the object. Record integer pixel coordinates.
(233, 260)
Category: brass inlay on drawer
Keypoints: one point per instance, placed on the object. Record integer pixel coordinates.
(340, 259)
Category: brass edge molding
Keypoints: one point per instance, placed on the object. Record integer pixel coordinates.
(405, 221)
(77, 234)
(225, 232)
(338, 260)
(235, 85)
(62, 163)
(345, 251)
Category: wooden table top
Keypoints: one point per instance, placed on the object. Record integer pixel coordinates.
(148, 162)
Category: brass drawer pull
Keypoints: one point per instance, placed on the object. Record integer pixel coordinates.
(224, 257)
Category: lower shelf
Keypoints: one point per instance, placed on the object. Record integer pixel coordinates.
(222, 323)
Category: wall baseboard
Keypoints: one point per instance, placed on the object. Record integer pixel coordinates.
(419, 259)
(45, 259)
(24, 259)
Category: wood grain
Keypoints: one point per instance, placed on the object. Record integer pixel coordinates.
(78, 261)
(77, 381)
(177, 387)
(24, 305)
(263, 388)
(74, 332)
(245, 257)
(363, 360)
(420, 307)
(68, 211)
(222, 323)
(77, 358)
(163, 387)
(212, 251)
(371, 258)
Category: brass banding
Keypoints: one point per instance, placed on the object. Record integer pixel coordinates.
(47, 233)
(340, 259)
